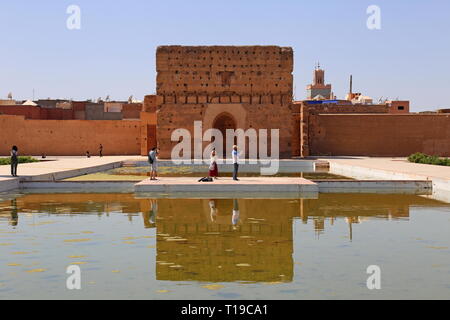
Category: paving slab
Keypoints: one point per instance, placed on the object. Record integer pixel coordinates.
(417, 187)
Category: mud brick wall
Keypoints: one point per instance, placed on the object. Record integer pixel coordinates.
(251, 116)
(69, 137)
(29, 112)
(223, 71)
(151, 103)
(308, 118)
(169, 120)
(131, 110)
(379, 134)
(252, 84)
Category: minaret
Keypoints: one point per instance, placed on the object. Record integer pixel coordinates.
(350, 96)
(319, 90)
(351, 84)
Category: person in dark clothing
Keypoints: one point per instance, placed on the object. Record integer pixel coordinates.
(100, 149)
(14, 221)
(235, 157)
(14, 160)
(153, 160)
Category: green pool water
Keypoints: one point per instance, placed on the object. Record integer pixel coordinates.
(134, 248)
(141, 173)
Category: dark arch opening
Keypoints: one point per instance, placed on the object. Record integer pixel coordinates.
(223, 122)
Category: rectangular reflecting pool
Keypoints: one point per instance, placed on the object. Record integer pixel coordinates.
(141, 173)
(133, 248)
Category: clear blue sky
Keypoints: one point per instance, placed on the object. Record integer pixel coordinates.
(114, 52)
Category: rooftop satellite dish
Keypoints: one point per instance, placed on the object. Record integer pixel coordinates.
(130, 99)
(10, 96)
(107, 98)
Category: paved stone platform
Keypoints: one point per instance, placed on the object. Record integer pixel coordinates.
(257, 184)
(392, 175)
(422, 187)
(58, 168)
(364, 168)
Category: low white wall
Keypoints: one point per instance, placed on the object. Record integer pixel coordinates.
(440, 187)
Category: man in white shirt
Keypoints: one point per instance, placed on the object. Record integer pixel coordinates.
(236, 214)
(235, 156)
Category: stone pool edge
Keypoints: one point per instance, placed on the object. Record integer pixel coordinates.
(305, 187)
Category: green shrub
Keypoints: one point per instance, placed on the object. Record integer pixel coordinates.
(427, 159)
(7, 161)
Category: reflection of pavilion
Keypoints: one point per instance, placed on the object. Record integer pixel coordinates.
(254, 245)
(355, 208)
(222, 240)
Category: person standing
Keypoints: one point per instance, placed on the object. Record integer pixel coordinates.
(213, 210)
(235, 156)
(14, 221)
(236, 214)
(153, 211)
(153, 160)
(14, 160)
(100, 150)
(213, 168)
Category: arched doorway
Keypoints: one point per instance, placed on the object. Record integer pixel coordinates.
(223, 122)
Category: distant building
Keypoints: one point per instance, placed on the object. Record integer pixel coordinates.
(96, 111)
(66, 105)
(8, 102)
(49, 103)
(113, 106)
(398, 106)
(357, 98)
(319, 90)
(394, 107)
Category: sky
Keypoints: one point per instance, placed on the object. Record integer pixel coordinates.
(113, 53)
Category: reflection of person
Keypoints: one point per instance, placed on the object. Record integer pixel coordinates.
(213, 168)
(212, 206)
(14, 160)
(236, 213)
(153, 160)
(150, 215)
(235, 156)
(153, 211)
(14, 216)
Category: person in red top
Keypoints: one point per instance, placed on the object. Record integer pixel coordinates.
(213, 168)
